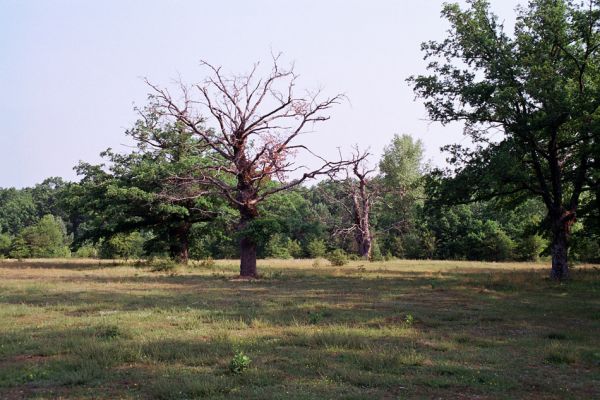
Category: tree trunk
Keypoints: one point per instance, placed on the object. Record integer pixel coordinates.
(184, 252)
(247, 243)
(561, 230)
(180, 249)
(248, 258)
(364, 246)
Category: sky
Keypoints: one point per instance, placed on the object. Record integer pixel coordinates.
(71, 71)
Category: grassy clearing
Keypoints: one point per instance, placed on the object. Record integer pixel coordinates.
(401, 329)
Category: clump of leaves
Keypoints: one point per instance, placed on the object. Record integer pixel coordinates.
(409, 320)
(337, 257)
(239, 363)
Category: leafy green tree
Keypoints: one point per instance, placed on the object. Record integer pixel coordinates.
(401, 171)
(529, 102)
(46, 239)
(17, 210)
(132, 193)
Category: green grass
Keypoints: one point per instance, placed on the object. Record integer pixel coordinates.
(399, 329)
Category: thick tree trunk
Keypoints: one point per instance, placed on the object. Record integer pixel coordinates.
(247, 243)
(184, 252)
(180, 250)
(561, 230)
(364, 246)
(248, 258)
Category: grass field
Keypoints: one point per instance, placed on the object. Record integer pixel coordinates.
(393, 330)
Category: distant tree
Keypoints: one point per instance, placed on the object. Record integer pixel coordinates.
(130, 194)
(46, 239)
(529, 102)
(401, 172)
(258, 122)
(360, 191)
(17, 210)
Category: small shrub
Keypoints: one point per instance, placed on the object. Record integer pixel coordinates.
(277, 247)
(314, 317)
(376, 252)
(409, 320)
(162, 265)
(316, 248)
(294, 248)
(338, 257)
(239, 363)
(108, 332)
(86, 251)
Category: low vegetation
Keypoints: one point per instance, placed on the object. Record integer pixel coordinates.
(76, 329)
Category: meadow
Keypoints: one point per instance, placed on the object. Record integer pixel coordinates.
(391, 330)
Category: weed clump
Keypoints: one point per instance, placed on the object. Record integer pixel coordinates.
(108, 332)
(239, 363)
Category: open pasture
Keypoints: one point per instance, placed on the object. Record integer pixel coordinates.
(400, 329)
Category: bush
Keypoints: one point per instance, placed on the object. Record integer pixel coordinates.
(530, 247)
(586, 248)
(376, 252)
(86, 251)
(277, 248)
(162, 265)
(46, 239)
(337, 257)
(19, 248)
(123, 245)
(316, 248)
(294, 248)
(5, 244)
(239, 363)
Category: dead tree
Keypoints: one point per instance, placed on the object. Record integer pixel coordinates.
(360, 189)
(253, 145)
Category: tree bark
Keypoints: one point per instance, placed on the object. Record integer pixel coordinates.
(362, 209)
(247, 243)
(561, 230)
(248, 258)
(180, 250)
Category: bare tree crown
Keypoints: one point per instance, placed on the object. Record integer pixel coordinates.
(257, 121)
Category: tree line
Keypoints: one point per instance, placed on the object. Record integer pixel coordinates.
(119, 212)
(216, 173)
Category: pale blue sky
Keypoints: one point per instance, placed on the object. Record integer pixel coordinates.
(70, 70)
